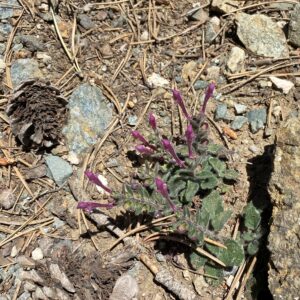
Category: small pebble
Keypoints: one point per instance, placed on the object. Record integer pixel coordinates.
(238, 122)
(37, 254)
(221, 111)
(240, 108)
(14, 251)
(130, 104)
(7, 199)
(268, 132)
(145, 36)
(132, 120)
(200, 84)
(254, 149)
(160, 257)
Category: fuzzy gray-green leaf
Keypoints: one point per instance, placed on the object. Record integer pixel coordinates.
(191, 190)
(220, 219)
(252, 216)
(218, 165)
(213, 204)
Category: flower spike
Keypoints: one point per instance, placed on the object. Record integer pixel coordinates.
(169, 148)
(152, 121)
(94, 179)
(144, 150)
(190, 137)
(162, 188)
(178, 99)
(137, 135)
(208, 94)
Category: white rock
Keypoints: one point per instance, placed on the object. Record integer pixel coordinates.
(105, 182)
(236, 60)
(29, 286)
(126, 288)
(155, 80)
(14, 251)
(60, 276)
(37, 254)
(282, 84)
(45, 58)
(200, 284)
(145, 36)
(226, 6)
(229, 280)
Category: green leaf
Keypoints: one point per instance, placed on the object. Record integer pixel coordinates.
(215, 272)
(214, 148)
(205, 174)
(220, 219)
(253, 247)
(252, 216)
(202, 217)
(218, 165)
(191, 190)
(213, 204)
(232, 256)
(209, 183)
(230, 174)
(248, 236)
(197, 261)
(176, 187)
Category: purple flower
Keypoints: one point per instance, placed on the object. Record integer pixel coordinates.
(144, 150)
(190, 137)
(162, 188)
(169, 148)
(152, 121)
(178, 99)
(208, 94)
(90, 206)
(94, 178)
(136, 134)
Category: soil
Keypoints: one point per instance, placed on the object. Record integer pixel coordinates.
(130, 40)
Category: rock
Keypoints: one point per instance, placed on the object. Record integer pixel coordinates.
(200, 284)
(59, 169)
(189, 70)
(145, 36)
(264, 83)
(89, 117)
(160, 257)
(126, 288)
(282, 84)
(6, 11)
(7, 199)
(268, 132)
(238, 122)
(284, 237)
(294, 26)
(221, 111)
(5, 29)
(200, 85)
(24, 69)
(2, 65)
(240, 108)
(31, 42)
(38, 294)
(236, 60)
(106, 50)
(261, 35)
(2, 48)
(37, 254)
(25, 296)
(61, 277)
(29, 286)
(226, 6)
(257, 118)
(254, 149)
(132, 120)
(31, 275)
(49, 292)
(44, 57)
(85, 21)
(212, 28)
(155, 80)
(198, 14)
(213, 73)
(14, 251)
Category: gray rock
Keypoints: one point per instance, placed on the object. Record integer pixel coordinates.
(59, 169)
(160, 257)
(85, 21)
(226, 6)
(178, 79)
(200, 84)
(8, 12)
(238, 122)
(240, 108)
(25, 296)
(89, 116)
(236, 60)
(198, 14)
(24, 69)
(221, 111)
(126, 288)
(254, 149)
(294, 26)
(31, 42)
(284, 237)
(211, 29)
(132, 120)
(5, 29)
(2, 48)
(257, 119)
(7, 199)
(261, 35)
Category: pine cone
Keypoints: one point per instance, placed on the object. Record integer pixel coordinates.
(37, 114)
